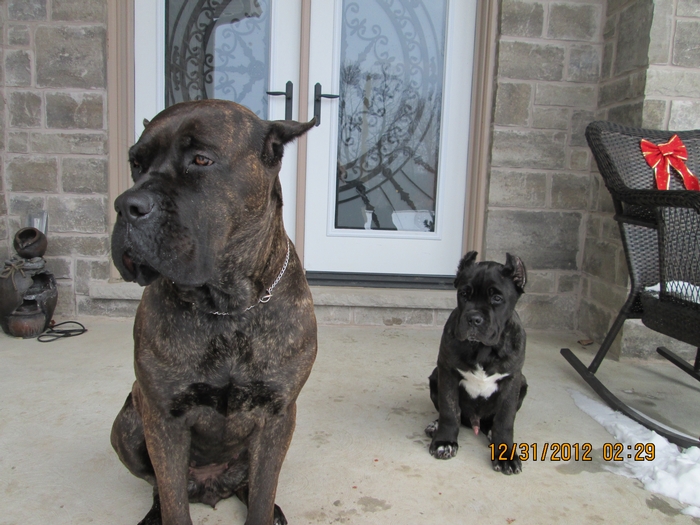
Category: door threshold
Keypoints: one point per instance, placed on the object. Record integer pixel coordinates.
(381, 280)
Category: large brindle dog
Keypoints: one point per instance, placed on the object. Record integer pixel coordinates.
(225, 335)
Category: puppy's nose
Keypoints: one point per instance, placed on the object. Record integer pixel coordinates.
(475, 319)
(134, 206)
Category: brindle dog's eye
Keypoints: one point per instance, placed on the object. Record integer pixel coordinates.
(201, 160)
(466, 292)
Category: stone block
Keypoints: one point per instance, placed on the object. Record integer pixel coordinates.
(685, 114)
(547, 312)
(393, 316)
(672, 83)
(600, 258)
(610, 229)
(22, 205)
(77, 214)
(26, 9)
(610, 27)
(529, 149)
(524, 19)
(18, 35)
(86, 271)
(3, 204)
(544, 117)
(580, 160)
(685, 8)
(577, 96)
(333, 314)
(84, 175)
(24, 109)
(544, 240)
(614, 6)
(686, 52)
(626, 88)
(580, 119)
(540, 282)
(621, 270)
(74, 111)
(608, 56)
(528, 61)
(640, 341)
(570, 192)
(661, 30)
(71, 56)
(594, 321)
(105, 307)
(517, 189)
(65, 309)
(78, 245)
(606, 294)
(584, 63)
(18, 142)
(627, 114)
(573, 22)
(569, 283)
(512, 104)
(33, 174)
(70, 143)
(60, 267)
(594, 226)
(654, 114)
(633, 36)
(441, 317)
(18, 68)
(79, 10)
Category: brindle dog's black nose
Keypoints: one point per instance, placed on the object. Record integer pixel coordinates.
(475, 319)
(134, 206)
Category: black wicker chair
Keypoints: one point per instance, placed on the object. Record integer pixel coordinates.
(660, 232)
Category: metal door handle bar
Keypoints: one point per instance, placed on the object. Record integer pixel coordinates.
(288, 94)
(317, 102)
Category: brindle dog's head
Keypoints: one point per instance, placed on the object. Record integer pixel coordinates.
(486, 297)
(206, 194)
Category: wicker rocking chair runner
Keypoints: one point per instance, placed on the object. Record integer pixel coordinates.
(650, 176)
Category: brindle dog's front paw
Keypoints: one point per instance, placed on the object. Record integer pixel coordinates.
(508, 466)
(443, 449)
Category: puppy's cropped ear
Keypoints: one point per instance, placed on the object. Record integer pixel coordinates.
(467, 260)
(279, 133)
(146, 122)
(515, 269)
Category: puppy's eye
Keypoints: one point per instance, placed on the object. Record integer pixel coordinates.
(201, 160)
(496, 299)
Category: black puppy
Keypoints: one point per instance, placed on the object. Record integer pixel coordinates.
(478, 377)
(225, 334)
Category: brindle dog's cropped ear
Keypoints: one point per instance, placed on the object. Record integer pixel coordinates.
(515, 269)
(467, 260)
(279, 133)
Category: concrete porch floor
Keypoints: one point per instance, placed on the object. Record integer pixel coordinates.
(359, 454)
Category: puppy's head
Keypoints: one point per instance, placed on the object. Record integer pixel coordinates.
(486, 297)
(206, 193)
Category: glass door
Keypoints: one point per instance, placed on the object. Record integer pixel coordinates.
(386, 167)
(246, 51)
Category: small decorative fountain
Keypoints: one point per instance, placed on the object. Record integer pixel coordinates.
(28, 292)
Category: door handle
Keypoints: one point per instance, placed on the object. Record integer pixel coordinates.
(317, 102)
(288, 94)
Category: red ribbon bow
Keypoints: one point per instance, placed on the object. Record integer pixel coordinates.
(672, 153)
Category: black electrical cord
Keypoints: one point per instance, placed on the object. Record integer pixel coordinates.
(51, 334)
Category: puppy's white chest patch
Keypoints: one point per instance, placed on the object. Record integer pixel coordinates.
(478, 383)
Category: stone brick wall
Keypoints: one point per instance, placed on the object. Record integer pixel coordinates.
(549, 63)
(53, 133)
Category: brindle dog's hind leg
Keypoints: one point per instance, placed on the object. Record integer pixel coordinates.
(242, 494)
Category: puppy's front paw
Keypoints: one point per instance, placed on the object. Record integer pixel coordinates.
(431, 428)
(443, 449)
(508, 466)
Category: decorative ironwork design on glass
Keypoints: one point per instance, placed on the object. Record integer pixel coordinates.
(392, 54)
(218, 49)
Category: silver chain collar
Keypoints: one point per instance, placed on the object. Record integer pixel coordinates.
(268, 291)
